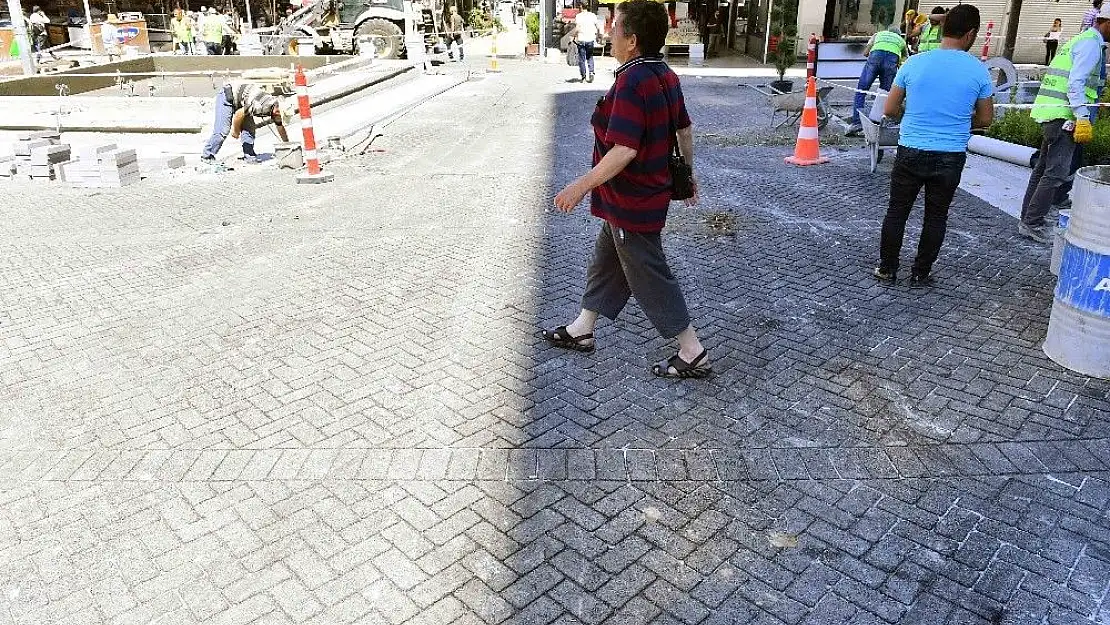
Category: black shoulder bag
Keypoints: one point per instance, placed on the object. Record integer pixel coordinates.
(682, 175)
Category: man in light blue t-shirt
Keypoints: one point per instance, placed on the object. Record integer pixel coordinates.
(940, 96)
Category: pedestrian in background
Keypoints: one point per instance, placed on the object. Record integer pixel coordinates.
(198, 36)
(38, 21)
(884, 51)
(1090, 16)
(231, 31)
(940, 97)
(585, 37)
(1052, 40)
(635, 126)
(455, 27)
(109, 36)
(1073, 82)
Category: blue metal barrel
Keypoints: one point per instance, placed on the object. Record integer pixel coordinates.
(1079, 327)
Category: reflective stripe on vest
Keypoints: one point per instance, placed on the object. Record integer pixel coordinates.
(1052, 98)
(889, 42)
(930, 39)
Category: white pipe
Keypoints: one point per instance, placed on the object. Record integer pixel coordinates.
(88, 23)
(19, 31)
(1002, 150)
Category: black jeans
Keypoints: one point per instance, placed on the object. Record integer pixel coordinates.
(939, 173)
(1050, 51)
(1051, 177)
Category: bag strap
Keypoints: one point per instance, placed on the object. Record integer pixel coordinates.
(670, 108)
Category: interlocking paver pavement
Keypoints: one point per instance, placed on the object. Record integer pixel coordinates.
(334, 408)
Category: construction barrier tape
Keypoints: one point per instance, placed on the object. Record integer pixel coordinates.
(1005, 105)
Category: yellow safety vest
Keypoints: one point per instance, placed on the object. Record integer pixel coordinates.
(930, 39)
(181, 29)
(213, 28)
(888, 41)
(1052, 98)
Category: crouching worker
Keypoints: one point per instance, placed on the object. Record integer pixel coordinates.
(238, 104)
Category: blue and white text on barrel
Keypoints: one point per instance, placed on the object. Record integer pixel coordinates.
(1085, 280)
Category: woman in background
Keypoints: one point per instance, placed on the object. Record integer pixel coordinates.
(1052, 40)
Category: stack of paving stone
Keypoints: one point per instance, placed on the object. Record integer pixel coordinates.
(102, 166)
(36, 156)
(44, 160)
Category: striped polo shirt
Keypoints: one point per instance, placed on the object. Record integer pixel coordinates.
(250, 96)
(634, 114)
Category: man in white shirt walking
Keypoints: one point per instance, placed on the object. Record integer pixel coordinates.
(585, 37)
(38, 22)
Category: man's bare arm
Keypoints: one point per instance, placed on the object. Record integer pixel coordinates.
(984, 113)
(686, 144)
(237, 122)
(895, 102)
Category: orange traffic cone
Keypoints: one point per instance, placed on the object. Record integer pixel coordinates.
(808, 149)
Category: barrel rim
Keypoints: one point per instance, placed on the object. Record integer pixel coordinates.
(1082, 172)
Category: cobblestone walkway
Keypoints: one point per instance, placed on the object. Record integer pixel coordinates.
(238, 400)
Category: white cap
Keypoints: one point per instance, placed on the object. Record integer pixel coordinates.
(1104, 12)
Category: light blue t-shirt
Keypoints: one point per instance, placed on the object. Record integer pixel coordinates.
(941, 89)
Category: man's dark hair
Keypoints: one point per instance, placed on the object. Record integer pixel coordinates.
(961, 20)
(1097, 4)
(648, 20)
(939, 11)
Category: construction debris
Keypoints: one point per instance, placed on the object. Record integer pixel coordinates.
(150, 166)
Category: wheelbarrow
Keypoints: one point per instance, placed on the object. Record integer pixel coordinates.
(788, 107)
(879, 133)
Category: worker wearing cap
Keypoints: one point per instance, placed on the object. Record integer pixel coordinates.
(884, 52)
(213, 31)
(932, 32)
(1071, 85)
(238, 103)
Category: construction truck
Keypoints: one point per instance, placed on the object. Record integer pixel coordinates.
(342, 27)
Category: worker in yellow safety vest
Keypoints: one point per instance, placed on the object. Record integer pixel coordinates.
(932, 32)
(884, 52)
(213, 30)
(181, 29)
(1063, 107)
